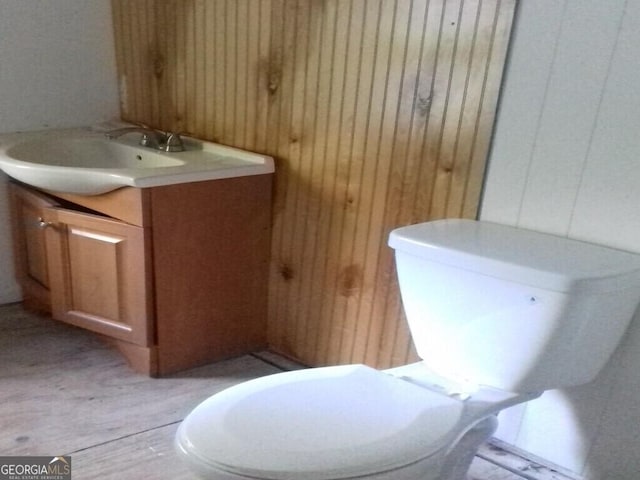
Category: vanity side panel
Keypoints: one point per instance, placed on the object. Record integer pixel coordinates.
(211, 250)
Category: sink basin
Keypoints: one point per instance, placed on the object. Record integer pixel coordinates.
(86, 162)
(87, 153)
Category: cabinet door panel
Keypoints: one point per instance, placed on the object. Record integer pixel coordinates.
(99, 279)
(95, 263)
(28, 210)
(36, 251)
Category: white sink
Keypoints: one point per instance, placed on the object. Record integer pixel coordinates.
(86, 162)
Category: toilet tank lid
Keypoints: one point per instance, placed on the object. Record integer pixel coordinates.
(519, 255)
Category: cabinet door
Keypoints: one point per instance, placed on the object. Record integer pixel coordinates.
(29, 221)
(99, 278)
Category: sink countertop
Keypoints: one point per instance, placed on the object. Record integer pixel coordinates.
(201, 160)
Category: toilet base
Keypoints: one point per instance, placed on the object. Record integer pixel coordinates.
(459, 458)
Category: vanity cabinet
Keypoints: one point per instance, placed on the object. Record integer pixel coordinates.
(172, 276)
(86, 269)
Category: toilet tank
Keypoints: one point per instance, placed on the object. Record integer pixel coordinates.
(511, 308)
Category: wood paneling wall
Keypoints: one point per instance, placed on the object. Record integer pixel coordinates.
(378, 113)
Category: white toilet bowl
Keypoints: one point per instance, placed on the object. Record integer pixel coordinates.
(338, 423)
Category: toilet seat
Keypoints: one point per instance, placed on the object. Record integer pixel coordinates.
(323, 423)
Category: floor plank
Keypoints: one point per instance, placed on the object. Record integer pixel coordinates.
(483, 470)
(494, 452)
(62, 390)
(147, 455)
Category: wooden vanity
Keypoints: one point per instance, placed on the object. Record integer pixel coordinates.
(173, 276)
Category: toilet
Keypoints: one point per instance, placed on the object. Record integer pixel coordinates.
(498, 315)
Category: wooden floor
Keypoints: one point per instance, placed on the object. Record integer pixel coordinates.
(64, 392)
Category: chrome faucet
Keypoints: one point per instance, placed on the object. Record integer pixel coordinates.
(172, 143)
(151, 138)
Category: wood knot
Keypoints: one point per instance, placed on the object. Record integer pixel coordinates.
(286, 272)
(158, 65)
(350, 280)
(349, 202)
(273, 80)
(424, 105)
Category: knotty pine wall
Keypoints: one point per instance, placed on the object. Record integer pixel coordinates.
(378, 113)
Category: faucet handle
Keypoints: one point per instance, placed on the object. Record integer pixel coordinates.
(147, 140)
(173, 143)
